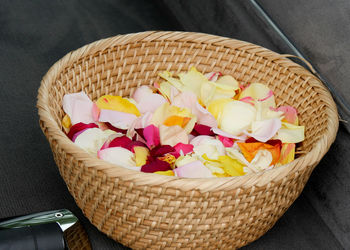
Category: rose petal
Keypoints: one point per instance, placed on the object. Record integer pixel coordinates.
(150, 103)
(95, 112)
(78, 107)
(118, 130)
(92, 139)
(265, 130)
(117, 119)
(189, 100)
(151, 135)
(250, 150)
(290, 114)
(287, 153)
(262, 160)
(182, 149)
(290, 133)
(227, 142)
(141, 155)
(210, 146)
(119, 156)
(141, 92)
(79, 127)
(228, 135)
(200, 129)
(194, 169)
(117, 103)
(236, 117)
(156, 165)
(231, 166)
(172, 135)
(169, 172)
(161, 150)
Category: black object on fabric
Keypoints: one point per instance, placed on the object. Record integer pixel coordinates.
(39, 237)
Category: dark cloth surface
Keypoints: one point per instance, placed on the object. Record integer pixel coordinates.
(35, 34)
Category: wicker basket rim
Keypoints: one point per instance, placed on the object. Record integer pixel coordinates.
(203, 185)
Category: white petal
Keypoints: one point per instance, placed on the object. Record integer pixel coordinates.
(78, 107)
(117, 119)
(265, 130)
(92, 139)
(119, 156)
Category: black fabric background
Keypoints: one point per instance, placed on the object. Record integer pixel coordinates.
(35, 34)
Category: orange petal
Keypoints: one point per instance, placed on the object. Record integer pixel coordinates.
(249, 150)
(176, 120)
(287, 153)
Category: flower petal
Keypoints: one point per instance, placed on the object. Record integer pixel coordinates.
(228, 135)
(236, 117)
(259, 92)
(227, 142)
(169, 172)
(156, 165)
(151, 135)
(116, 118)
(78, 107)
(194, 169)
(117, 103)
(287, 153)
(146, 100)
(119, 156)
(182, 149)
(161, 150)
(265, 130)
(250, 150)
(200, 129)
(79, 127)
(210, 146)
(231, 166)
(172, 135)
(262, 160)
(141, 155)
(290, 114)
(141, 92)
(290, 133)
(92, 139)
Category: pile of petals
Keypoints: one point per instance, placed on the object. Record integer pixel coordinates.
(192, 125)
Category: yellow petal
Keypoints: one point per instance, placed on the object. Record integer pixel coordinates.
(236, 117)
(183, 160)
(175, 82)
(193, 80)
(231, 166)
(141, 154)
(66, 123)
(169, 173)
(290, 133)
(228, 81)
(216, 107)
(117, 103)
(259, 91)
(287, 153)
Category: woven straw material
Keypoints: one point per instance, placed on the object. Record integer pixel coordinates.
(144, 210)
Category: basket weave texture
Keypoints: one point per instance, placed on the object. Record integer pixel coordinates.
(144, 210)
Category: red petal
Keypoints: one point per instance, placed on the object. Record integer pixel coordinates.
(200, 129)
(122, 141)
(185, 148)
(154, 166)
(228, 142)
(133, 144)
(118, 130)
(78, 127)
(161, 150)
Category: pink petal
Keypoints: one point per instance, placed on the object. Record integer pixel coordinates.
(156, 165)
(189, 100)
(184, 148)
(200, 129)
(265, 130)
(79, 127)
(150, 103)
(95, 112)
(198, 140)
(228, 142)
(223, 133)
(141, 92)
(117, 119)
(78, 107)
(151, 135)
(290, 114)
(172, 135)
(194, 169)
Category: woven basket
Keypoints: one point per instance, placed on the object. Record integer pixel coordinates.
(144, 210)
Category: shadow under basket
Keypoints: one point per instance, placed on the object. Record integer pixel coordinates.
(142, 210)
